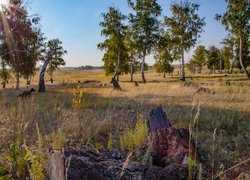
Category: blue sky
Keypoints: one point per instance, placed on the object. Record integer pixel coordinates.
(76, 24)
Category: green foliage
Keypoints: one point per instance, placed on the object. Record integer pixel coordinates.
(57, 139)
(78, 96)
(194, 169)
(184, 27)
(199, 57)
(116, 55)
(19, 49)
(57, 59)
(131, 139)
(4, 173)
(144, 27)
(110, 141)
(165, 55)
(236, 20)
(213, 58)
(5, 74)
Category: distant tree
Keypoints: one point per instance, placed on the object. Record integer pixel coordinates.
(199, 57)
(213, 58)
(185, 27)
(165, 55)
(55, 63)
(145, 27)
(116, 55)
(132, 55)
(19, 32)
(191, 65)
(5, 74)
(228, 54)
(236, 20)
(226, 57)
(53, 51)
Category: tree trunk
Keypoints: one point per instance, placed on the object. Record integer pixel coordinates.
(4, 85)
(117, 77)
(28, 80)
(17, 80)
(183, 78)
(41, 77)
(164, 75)
(220, 66)
(131, 71)
(241, 62)
(51, 76)
(142, 68)
(42, 73)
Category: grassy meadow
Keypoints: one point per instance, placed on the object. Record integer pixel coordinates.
(220, 122)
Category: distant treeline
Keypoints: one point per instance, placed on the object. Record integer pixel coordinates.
(88, 67)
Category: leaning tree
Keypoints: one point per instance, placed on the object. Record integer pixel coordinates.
(53, 51)
(185, 27)
(237, 20)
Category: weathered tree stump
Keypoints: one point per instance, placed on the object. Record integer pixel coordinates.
(115, 83)
(157, 119)
(168, 143)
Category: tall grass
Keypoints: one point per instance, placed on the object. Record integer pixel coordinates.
(104, 115)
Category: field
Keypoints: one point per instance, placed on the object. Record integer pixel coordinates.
(220, 121)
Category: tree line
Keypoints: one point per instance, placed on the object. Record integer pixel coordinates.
(23, 46)
(130, 38)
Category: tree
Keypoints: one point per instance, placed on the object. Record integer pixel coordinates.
(132, 55)
(55, 63)
(165, 55)
(19, 32)
(116, 56)
(237, 21)
(199, 57)
(228, 52)
(185, 27)
(213, 58)
(226, 57)
(5, 74)
(145, 27)
(191, 65)
(53, 51)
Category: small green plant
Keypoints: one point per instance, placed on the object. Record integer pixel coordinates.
(131, 139)
(77, 96)
(110, 141)
(57, 139)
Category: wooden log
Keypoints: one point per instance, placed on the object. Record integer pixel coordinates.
(97, 166)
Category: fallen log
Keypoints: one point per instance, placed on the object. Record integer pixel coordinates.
(93, 166)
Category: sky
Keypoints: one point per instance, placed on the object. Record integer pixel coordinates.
(76, 24)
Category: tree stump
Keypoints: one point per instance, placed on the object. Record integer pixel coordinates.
(157, 119)
(168, 143)
(115, 83)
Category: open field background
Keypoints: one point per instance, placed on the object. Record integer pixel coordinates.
(221, 127)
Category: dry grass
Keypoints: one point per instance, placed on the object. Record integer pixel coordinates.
(106, 111)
